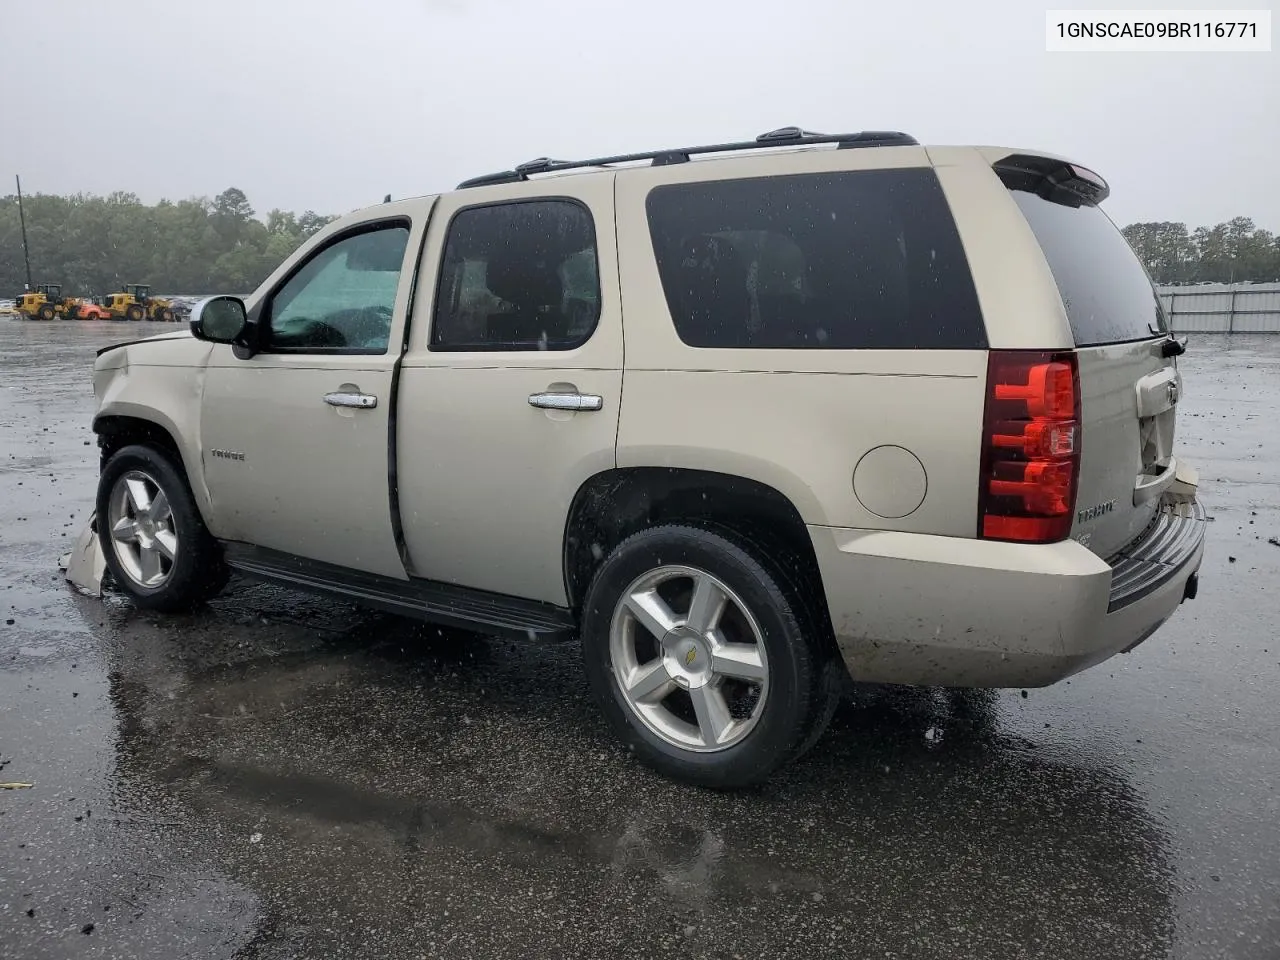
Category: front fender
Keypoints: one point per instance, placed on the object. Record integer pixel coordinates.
(168, 397)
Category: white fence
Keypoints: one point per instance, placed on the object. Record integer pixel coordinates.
(1222, 307)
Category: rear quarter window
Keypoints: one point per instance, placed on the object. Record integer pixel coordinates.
(859, 260)
(1104, 287)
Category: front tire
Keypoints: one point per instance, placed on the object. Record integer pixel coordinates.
(701, 662)
(152, 536)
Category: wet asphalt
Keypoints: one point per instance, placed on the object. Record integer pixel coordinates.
(281, 776)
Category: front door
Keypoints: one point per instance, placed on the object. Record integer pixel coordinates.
(295, 438)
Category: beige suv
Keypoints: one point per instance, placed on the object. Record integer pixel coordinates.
(740, 417)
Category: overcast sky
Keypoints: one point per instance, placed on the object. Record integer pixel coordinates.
(329, 105)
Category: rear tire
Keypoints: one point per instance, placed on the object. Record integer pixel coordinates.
(722, 706)
(46, 312)
(134, 312)
(152, 537)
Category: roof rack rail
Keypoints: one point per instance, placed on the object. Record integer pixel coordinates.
(782, 137)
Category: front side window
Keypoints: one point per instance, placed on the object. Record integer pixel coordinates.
(518, 276)
(343, 298)
(859, 260)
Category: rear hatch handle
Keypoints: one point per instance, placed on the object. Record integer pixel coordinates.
(1158, 392)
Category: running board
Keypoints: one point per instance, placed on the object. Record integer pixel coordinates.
(440, 603)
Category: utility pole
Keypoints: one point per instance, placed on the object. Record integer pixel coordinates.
(22, 219)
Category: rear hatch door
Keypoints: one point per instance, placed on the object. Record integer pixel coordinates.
(1129, 388)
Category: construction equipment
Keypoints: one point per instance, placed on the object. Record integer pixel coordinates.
(85, 308)
(45, 302)
(136, 303)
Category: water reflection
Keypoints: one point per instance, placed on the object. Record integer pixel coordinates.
(395, 770)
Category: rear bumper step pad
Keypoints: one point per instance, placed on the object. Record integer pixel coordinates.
(1159, 554)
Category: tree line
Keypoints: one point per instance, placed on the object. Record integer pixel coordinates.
(93, 245)
(1232, 252)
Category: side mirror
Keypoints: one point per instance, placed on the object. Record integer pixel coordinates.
(219, 319)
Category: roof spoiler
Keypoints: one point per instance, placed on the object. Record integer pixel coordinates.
(1058, 181)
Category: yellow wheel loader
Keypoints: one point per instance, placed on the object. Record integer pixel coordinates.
(136, 303)
(46, 302)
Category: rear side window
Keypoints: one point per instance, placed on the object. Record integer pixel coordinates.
(868, 259)
(518, 276)
(1105, 290)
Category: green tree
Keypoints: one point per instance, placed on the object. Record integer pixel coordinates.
(93, 244)
(312, 222)
(233, 205)
(1165, 249)
(1230, 252)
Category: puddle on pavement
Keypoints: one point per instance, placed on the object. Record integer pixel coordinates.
(393, 770)
(292, 777)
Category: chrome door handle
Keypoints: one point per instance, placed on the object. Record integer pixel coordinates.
(362, 401)
(566, 401)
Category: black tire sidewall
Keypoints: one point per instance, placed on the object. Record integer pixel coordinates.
(794, 664)
(195, 569)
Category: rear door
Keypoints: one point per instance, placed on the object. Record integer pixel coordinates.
(1129, 391)
(512, 384)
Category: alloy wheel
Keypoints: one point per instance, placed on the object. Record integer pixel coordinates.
(142, 529)
(689, 658)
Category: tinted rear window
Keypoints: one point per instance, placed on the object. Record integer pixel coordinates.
(869, 259)
(518, 276)
(1107, 293)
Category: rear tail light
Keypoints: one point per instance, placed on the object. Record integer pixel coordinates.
(1030, 446)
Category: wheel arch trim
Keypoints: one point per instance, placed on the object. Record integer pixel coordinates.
(611, 492)
(131, 418)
